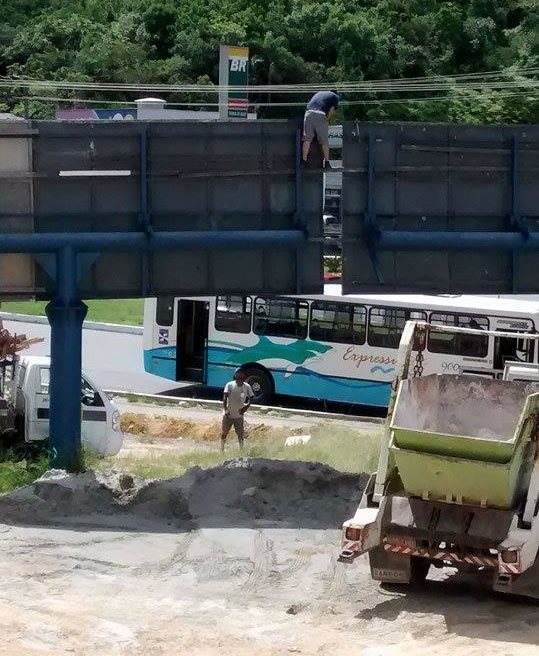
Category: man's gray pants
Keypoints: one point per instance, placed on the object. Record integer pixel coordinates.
(316, 123)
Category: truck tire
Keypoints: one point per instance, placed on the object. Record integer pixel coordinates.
(261, 384)
(419, 568)
(8, 438)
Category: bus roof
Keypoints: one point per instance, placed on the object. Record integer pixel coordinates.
(494, 306)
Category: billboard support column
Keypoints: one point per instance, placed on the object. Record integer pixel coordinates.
(66, 314)
(233, 71)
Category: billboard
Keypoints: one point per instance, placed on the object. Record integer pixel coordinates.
(200, 180)
(233, 71)
(440, 208)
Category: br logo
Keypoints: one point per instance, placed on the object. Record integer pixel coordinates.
(238, 65)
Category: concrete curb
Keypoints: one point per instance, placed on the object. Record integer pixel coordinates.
(261, 409)
(87, 325)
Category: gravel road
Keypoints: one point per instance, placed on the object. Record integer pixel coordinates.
(239, 560)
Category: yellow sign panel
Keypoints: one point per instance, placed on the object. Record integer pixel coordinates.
(238, 52)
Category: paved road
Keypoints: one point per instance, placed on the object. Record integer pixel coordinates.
(112, 360)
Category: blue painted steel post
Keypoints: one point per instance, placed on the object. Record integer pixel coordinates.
(66, 313)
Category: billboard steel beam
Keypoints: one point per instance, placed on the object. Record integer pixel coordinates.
(89, 242)
(388, 240)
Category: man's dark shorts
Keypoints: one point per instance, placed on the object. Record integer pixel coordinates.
(237, 422)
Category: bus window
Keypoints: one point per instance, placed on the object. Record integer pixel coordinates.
(164, 312)
(386, 325)
(233, 314)
(343, 323)
(281, 317)
(457, 344)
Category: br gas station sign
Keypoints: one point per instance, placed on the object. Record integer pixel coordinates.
(233, 72)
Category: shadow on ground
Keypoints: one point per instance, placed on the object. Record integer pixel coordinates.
(467, 603)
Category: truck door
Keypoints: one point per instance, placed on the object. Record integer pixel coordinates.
(192, 340)
(37, 411)
(94, 425)
(37, 404)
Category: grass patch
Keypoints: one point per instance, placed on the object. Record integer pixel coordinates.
(343, 449)
(124, 311)
(15, 474)
(332, 264)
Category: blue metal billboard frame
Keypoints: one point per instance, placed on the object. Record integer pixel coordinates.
(375, 235)
(66, 311)
(516, 239)
(66, 256)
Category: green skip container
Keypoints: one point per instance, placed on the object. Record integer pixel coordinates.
(464, 439)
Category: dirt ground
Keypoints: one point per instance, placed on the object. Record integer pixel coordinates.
(174, 420)
(240, 559)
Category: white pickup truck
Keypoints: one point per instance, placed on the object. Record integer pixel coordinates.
(24, 408)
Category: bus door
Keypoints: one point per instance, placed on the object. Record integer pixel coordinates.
(509, 349)
(192, 340)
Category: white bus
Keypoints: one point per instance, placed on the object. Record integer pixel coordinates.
(328, 347)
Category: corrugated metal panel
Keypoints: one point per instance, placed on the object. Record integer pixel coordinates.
(434, 177)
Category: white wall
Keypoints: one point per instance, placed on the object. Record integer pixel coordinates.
(154, 109)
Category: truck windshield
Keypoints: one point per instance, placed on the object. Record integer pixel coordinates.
(90, 396)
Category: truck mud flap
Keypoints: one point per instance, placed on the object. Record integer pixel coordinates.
(389, 568)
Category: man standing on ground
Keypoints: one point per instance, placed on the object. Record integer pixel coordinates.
(320, 109)
(237, 398)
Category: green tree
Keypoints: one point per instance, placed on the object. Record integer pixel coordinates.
(291, 42)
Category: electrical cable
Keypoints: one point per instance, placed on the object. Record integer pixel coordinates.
(427, 83)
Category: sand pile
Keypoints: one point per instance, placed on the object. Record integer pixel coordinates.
(237, 493)
(162, 426)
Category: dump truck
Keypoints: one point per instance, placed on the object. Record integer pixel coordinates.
(458, 474)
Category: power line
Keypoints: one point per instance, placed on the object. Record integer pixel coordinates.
(273, 104)
(489, 86)
(428, 83)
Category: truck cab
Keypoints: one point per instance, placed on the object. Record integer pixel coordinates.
(29, 402)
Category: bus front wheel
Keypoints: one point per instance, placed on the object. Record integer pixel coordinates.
(260, 383)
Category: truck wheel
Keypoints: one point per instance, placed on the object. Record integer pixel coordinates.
(419, 568)
(260, 382)
(8, 438)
